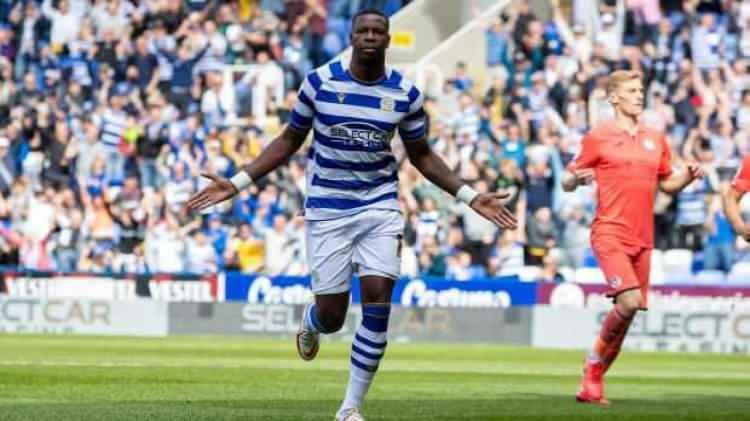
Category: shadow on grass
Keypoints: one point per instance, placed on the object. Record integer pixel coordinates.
(526, 406)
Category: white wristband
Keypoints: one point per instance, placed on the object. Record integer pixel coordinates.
(241, 180)
(466, 194)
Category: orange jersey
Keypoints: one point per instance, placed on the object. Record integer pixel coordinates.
(741, 181)
(627, 170)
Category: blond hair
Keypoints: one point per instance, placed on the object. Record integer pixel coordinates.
(619, 77)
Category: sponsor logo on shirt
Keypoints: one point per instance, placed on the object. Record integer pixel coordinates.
(360, 133)
(614, 281)
(649, 144)
(387, 104)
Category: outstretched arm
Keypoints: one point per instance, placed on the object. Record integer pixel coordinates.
(276, 154)
(678, 181)
(434, 169)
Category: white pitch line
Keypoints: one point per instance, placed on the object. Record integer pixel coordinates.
(391, 366)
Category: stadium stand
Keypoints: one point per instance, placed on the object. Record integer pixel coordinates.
(109, 112)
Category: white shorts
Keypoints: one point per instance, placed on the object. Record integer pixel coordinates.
(367, 242)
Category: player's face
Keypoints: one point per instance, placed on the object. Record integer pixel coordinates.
(628, 98)
(370, 36)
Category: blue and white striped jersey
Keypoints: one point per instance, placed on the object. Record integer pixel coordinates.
(351, 167)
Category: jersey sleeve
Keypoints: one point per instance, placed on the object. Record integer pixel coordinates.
(414, 125)
(304, 109)
(665, 161)
(588, 157)
(741, 181)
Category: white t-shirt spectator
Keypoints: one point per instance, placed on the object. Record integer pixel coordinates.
(200, 257)
(65, 27)
(279, 252)
(165, 250)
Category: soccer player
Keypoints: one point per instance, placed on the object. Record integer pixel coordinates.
(732, 197)
(352, 216)
(628, 161)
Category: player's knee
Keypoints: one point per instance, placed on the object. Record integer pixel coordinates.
(332, 320)
(377, 290)
(629, 302)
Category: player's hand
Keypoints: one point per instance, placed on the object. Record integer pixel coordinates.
(584, 176)
(218, 191)
(696, 171)
(490, 206)
(744, 233)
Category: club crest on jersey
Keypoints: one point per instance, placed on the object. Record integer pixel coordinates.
(341, 96)
(387, 104)
(615, 281)
(649, 144)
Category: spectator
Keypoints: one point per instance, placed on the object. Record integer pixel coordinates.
(718, 252)
(246, 251)
(706, 43)
(431, 259)
(166, 245)
(182, 65)
(65, 22)
(507, 257)
(541, 236)
(7, 166)
(573, 241)
(200, 255)
(112, 124)
(539, 186)
(693, 214)
(280, 247)
(459, 267)
(550, 267)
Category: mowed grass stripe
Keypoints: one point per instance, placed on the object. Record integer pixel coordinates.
(237, 378)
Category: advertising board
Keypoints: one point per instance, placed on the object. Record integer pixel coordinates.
(681, 330)
(83, 316)
(699, 298)
(508, 326)
(101, 287)
(417, 292)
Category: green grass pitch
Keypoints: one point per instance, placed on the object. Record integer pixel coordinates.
(243, 378)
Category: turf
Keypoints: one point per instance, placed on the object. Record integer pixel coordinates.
(242, 378)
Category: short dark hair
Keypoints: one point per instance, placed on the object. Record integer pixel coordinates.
(370, 11)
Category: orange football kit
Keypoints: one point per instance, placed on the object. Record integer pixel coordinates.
(627, 170)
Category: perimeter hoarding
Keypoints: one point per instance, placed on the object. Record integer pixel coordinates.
(686, 330)
(81, 316)
(662, 297)
(418, 292)
(490, 325)
(170, 288)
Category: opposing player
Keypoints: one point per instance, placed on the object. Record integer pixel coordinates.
(740, 185)
(629, 162)
(352, 213)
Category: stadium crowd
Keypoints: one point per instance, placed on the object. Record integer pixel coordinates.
(111, 110)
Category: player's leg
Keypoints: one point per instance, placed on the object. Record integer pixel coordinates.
(329, 256)
(629, 303)
(326, 315)
(623, 282)
(377, 254)
(369, 344)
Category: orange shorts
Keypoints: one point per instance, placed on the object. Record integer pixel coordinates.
(625, 267)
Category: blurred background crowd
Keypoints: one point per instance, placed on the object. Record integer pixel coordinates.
(111, 109)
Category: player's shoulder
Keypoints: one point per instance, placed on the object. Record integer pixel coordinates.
(397, 81)
(745, 165)
(599, 132)
(320, 74)
(652, 131)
